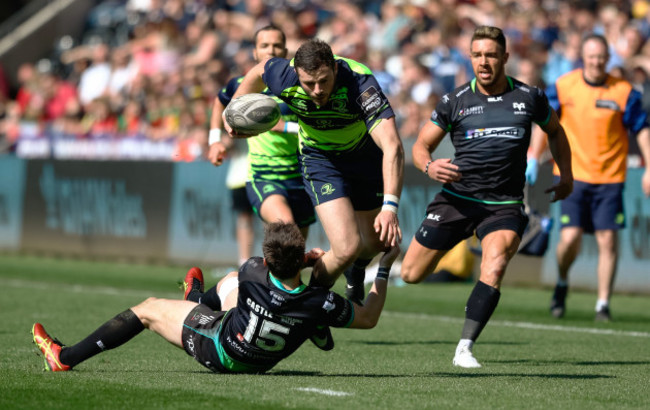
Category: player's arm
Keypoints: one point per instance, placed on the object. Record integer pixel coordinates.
(643, 139)
(218, 142)
(561, 152)
(387, 139)
(228, 290)
(367, 316)
(439, 169)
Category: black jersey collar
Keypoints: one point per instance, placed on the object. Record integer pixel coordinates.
(511, 84)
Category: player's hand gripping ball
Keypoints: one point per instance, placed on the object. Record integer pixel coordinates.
(252, 114)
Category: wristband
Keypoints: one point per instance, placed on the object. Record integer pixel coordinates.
(426, 168)
(391, 203)
(383, 273)
(291, 127)
(214, 136)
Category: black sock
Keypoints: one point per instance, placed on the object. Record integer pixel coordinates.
(357, 271)
(195, 295)
(480, 306)
(110, 335)
(210, 298)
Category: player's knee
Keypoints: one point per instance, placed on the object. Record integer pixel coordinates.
(142, 310)
(347, 254)
(410, 275)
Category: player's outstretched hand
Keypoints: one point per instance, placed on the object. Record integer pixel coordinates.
(560, 190)
(387, 226)
(442, 170)
(217, 153)
(389, 256)
(312, 256)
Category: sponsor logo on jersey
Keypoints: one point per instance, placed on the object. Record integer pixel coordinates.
(495, 99)
(434, 217)
(496, 132)
(268, 188)
(445, 98)
(327, 189)
(370, 99)
(463, 91)
(189, 343)
(340, 94)
(277, 299)
(339, 105)
(476, 110)
(518, 106)
(609, 104)
(299, 103)
(328, 305)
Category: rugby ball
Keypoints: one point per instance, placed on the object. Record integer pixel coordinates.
(252, 113)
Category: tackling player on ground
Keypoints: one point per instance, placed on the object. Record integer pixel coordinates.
(267, 313)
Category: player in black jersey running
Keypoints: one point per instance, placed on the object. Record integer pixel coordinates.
(489, 121)
(272, 314)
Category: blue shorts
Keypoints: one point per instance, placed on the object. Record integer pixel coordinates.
(357, 175)
(291, 189)
(451, 219)
(593, 207)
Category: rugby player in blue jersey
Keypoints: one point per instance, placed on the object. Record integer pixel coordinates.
(266, 314)
(489, 122)
(351, 156)
(274, 185)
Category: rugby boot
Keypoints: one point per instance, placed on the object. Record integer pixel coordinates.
(558, 301)
(193, 281)
(50, 348)
(322, 338)
(355, 288)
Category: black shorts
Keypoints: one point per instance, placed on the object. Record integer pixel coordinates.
(451, 219)
(240, 202)
(200, 331)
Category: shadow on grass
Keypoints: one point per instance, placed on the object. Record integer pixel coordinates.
(565, 362)
(477, 374)
(427, 342)
(540, 376)
(612, 363)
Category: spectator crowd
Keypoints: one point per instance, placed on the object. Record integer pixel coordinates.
(146, 72)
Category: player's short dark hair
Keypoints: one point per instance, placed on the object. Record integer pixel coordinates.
(314, 54)
(490, 33)
(284, 249)
(597, 37)
(270, 27)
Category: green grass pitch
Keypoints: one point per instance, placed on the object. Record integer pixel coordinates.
(530, 361)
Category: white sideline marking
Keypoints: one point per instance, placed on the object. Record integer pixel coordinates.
(525, 325)
(324, 391)
(106, 290)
